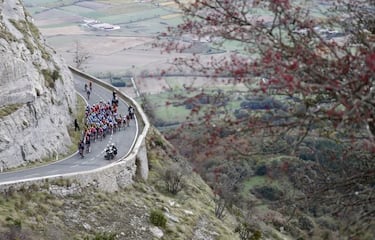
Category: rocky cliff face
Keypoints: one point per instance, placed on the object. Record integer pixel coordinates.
(36, 91)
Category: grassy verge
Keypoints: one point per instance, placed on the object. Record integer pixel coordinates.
(80, 115)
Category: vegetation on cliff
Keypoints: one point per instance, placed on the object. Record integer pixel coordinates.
(34, 213)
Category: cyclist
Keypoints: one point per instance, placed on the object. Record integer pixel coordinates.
(81, 147)
(87, 140)
(88, 94)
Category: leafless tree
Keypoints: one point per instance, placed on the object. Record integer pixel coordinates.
(173, 177)
(81, 55)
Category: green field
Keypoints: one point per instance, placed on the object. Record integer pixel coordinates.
(47, 3)
(83, 11)
(133, 16)
(41, 2)
(169, 108)
(167, 112)
(57, 25)
(35, 10)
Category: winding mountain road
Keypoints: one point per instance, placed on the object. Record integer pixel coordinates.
(124, 141)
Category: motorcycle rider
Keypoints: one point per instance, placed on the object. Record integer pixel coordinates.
(114, 149)
(110, 151)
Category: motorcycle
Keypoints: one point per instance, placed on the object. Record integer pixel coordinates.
(110, 153)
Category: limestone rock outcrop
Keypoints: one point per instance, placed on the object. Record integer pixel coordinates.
(37, 97)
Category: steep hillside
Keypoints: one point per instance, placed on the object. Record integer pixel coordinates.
(36, 89)
(35, 213)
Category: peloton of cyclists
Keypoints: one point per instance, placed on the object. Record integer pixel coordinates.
(102, 118)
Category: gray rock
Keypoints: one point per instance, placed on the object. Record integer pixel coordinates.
(188, 212)
(36, 128)
(156, 232)
(202, 231)
(86, 226)
(166, 209)
(171, 203)
(172, 217)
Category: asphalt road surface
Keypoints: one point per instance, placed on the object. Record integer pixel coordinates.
(123, 140)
